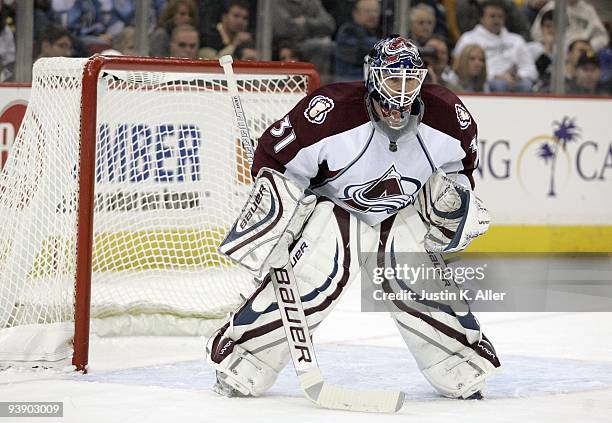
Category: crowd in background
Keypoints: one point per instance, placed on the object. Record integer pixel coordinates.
(468, 45)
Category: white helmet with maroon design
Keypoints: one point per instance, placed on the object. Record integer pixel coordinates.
(394, 75)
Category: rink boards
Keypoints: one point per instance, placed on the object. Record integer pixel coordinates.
(545, 172)
(545, 169)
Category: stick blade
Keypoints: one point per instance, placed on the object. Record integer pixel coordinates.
(371, 401)
(336, 397)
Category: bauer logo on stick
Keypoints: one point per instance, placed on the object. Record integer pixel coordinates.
(288, 297)
(318, 108)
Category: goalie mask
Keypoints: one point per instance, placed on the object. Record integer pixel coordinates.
(394, 75)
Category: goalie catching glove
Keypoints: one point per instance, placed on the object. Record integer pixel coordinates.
(270, 221)
(454, 214)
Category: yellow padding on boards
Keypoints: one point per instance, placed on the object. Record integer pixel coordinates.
(180, 249)
(544, 239)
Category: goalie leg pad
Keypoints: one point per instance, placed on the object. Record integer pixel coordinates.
(455, 368)
(449, 347)
(325, 262)
(239, 369)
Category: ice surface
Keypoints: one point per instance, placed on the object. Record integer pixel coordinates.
(556, 367)
(385, 368)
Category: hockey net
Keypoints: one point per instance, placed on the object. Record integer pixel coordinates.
(122, 181)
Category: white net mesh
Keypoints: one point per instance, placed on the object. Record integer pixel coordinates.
(170, 179)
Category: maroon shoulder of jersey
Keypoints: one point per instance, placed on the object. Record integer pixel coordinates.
(445, 112)
(329, 110)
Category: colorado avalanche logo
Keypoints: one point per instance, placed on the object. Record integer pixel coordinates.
(318, 108)
(386, 194)
(399, 49)
(463, 117)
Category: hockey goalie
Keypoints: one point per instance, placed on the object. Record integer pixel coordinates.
(359, 168)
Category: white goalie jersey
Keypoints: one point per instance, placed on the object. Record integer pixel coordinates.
(329, 144)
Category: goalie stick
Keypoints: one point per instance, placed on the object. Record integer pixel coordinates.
(293, 317)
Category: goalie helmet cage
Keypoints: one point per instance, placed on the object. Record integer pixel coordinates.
(123, 178)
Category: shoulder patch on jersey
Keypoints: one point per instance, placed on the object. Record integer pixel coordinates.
(463, 116)
(318, 108)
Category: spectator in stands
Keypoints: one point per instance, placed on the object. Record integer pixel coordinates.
(114, 15)
(605, 57)
(509, 64)
(587, 77)
(468, 13)
(307, 24)
(123, 43)
(355, 39)
(209, 14)
(440, 26)
(576, 49)
(43, 16)
(531, 8)
(155, 10)
(286, 52)
(7, 49)
(176, 12)
(471, 70)
(452, 25)
(78, 17)
(438, 63)
(223, 38)
(54, 41)
(422, 23)
(93, 23)
(211, 11)
(342, 11)
(246, 51)
(583, 23)
(184, 42)
(542, 52)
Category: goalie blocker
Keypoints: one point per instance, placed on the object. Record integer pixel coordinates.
(326, 245)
